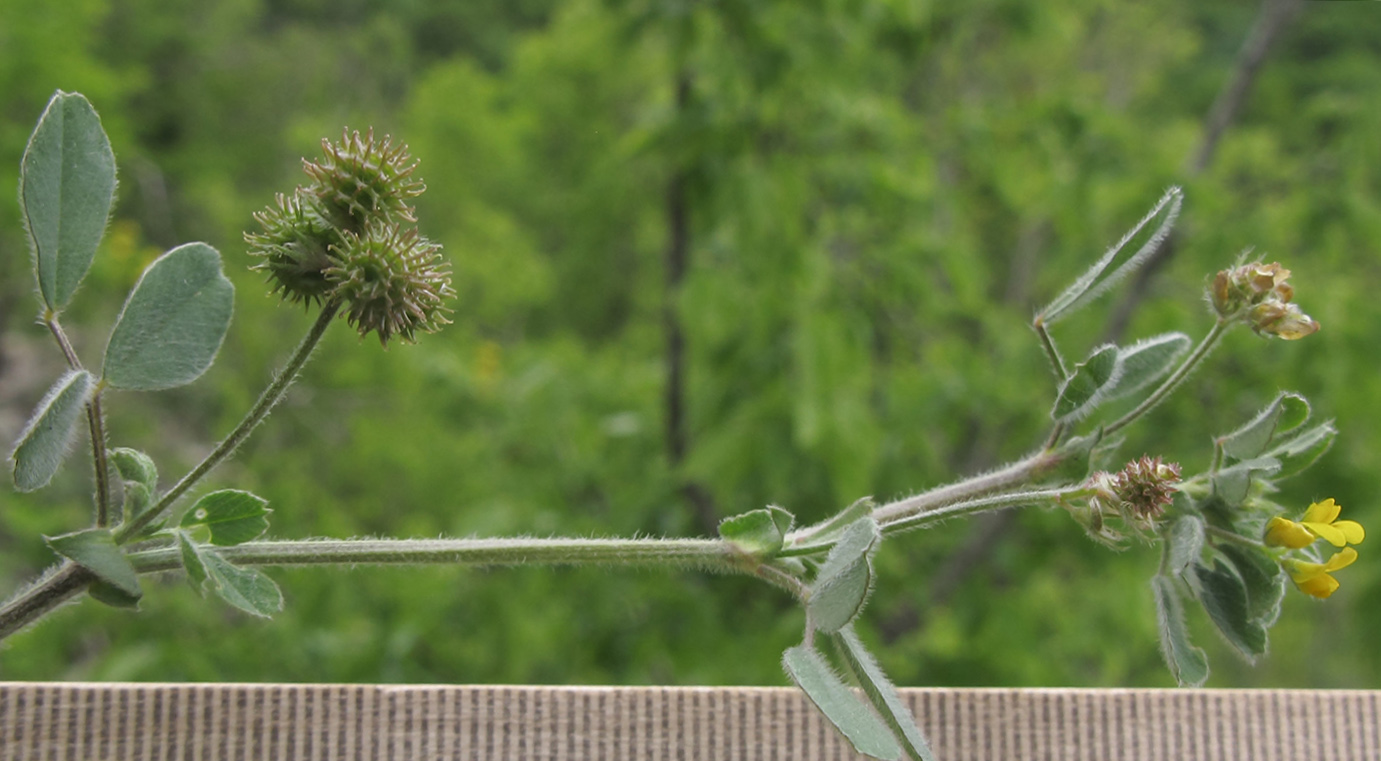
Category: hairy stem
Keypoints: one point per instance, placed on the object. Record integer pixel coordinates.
(95, 423)
(57, 586)
(1012, 476)
(1173, 382)
(256, 415)
(1045, 497)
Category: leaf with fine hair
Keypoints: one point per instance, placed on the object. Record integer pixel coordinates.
(844, 708)
(1145, 361)
(66, 186)
(841, 588)
(233, 516)
(1093, 283)
(47, 438)
(95, 550)
(173, 323)
(245, 588)
(884, 697)
(1224, 597)
(1285, 413)
(1302, 449)
(1088, 385)
(1187, 663)
(757, 533)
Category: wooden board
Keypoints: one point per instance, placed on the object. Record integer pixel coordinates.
(307, 722)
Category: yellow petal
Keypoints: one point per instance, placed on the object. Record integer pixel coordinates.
(1341, 559)
(1352, 531)
(1281, 532)
(1320, 586)
(1328, 532)
(1322, 512)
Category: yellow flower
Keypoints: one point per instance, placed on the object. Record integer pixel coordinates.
(1320, 522)
(1313, 579)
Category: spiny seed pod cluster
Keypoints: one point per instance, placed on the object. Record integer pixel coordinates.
(348, 238)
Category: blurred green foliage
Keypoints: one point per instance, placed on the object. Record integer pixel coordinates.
(879, 193)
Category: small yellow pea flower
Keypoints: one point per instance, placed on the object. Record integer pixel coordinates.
(1313, 578)
(1320, 522)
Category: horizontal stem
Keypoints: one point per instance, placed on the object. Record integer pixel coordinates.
(60, 584)
(1046, 497)
(1017, 474)
(709, 554)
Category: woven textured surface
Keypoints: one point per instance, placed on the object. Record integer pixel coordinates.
(365, 722)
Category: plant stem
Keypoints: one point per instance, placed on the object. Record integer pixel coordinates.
(1176, 378)
(1236, 538)
(1017, 474)
(57, 586)
(95, 423)
(982, 505)
(707, 554)
(256, 415)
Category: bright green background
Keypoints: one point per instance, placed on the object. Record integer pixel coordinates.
(880, 192)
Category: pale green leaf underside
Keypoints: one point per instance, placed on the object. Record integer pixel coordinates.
(46, 440)
(844, 708)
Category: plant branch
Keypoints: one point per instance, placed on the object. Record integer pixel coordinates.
(270, 397)
(95, 423)
(60, 584)
(1008, 477)
(707, 554)
(982, 505)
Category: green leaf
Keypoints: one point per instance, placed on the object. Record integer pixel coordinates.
(95, 550)
(67, 183)
(882, 694)
(245, 588)
(47, 438)
(1288, 411)
(139, 478)
(758, 533)
(1300, 451)
(841, 588)
(842, 706)
(1263, 579)
(1145, 362)
(831, 528)
(233, 516)
(1077, 457)
(192, 561)
(1224, 598)
(1187, 663)
(173, 323)
(1233, 484)
(1093, 283)
(1087, 386)
(1185, 541)
(111, 595)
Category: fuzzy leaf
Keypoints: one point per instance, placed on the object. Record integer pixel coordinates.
(1286, 412)
(1224, 598)
(1263, 579)
(1093, 283)
(1300, 451)
(1087, 386)
(1145, 362)
(95, 550)
(173, 323)
(882, 694)
(192, 561)
(67, 183)
(1233, 484)
(757, 532)
(1186, 540)
(245, 588)
(841, 588)
(138, 477)
(47, 438)
(111, 595)
(845, 709)
(1187, 663)
(233, 516)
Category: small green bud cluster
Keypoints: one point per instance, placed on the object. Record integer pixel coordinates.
(1260, 295)
(348, 238)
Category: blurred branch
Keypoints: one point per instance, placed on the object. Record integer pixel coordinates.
(1271, 20)
(677, 259)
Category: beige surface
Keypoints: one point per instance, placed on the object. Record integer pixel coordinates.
(248, 721)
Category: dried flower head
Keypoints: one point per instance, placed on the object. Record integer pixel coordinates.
(1136, 495)
(360, 179)
(392, 281)
(295, 247)
(1260, 295)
